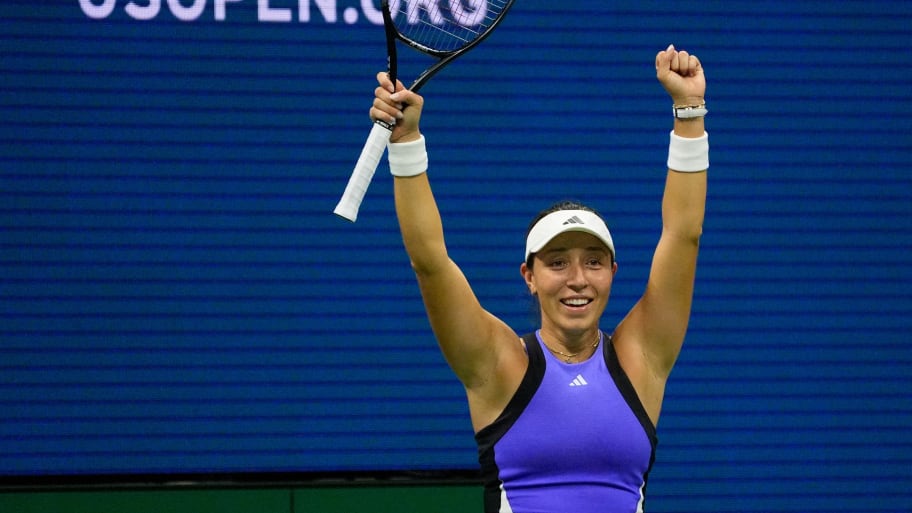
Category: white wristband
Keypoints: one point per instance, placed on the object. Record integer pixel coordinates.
(408, 159)
(688, 155)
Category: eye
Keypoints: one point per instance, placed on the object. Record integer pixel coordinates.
(558, 263)
(594, 262)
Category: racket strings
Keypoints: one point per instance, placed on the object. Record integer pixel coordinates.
(446, 29)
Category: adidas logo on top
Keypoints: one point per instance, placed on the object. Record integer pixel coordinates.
(574, 220)
(578, 381)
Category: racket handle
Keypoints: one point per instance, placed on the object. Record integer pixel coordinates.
(364, 171)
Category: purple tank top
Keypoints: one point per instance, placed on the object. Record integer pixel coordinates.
(574, 437)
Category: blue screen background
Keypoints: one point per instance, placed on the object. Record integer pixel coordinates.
(176, 296)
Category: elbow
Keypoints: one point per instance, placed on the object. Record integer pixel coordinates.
(421, 268)
(427, 254)
(689, 233)
(695, 233)
(426, 264)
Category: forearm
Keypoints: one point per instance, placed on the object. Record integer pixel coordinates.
(683, 204)
(419, 222)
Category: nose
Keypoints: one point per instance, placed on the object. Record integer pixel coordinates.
(576, 279)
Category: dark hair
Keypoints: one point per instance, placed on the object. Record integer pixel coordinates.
(557, 207)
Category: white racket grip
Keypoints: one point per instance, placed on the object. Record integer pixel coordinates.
(363, 173)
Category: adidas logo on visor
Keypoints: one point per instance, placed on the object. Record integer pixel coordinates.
(573, 220)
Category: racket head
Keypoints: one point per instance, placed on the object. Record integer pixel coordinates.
(443, 30)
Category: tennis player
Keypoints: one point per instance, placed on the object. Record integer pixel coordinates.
(565, 418)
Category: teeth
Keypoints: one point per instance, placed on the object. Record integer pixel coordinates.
(576, 302)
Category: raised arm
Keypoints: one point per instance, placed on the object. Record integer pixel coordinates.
(657, 324)
(472, 340)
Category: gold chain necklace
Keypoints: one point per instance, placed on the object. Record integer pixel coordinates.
(568, 356)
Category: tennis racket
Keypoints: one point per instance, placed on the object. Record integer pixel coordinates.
(440, 29)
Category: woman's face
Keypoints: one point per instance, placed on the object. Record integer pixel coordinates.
(572, 278)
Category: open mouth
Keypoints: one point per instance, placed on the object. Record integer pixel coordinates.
(576, 302)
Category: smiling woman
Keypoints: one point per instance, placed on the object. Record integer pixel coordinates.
(576, 248)
(573, 282)
(572, 427)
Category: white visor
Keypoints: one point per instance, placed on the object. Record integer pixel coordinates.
(562, 221)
